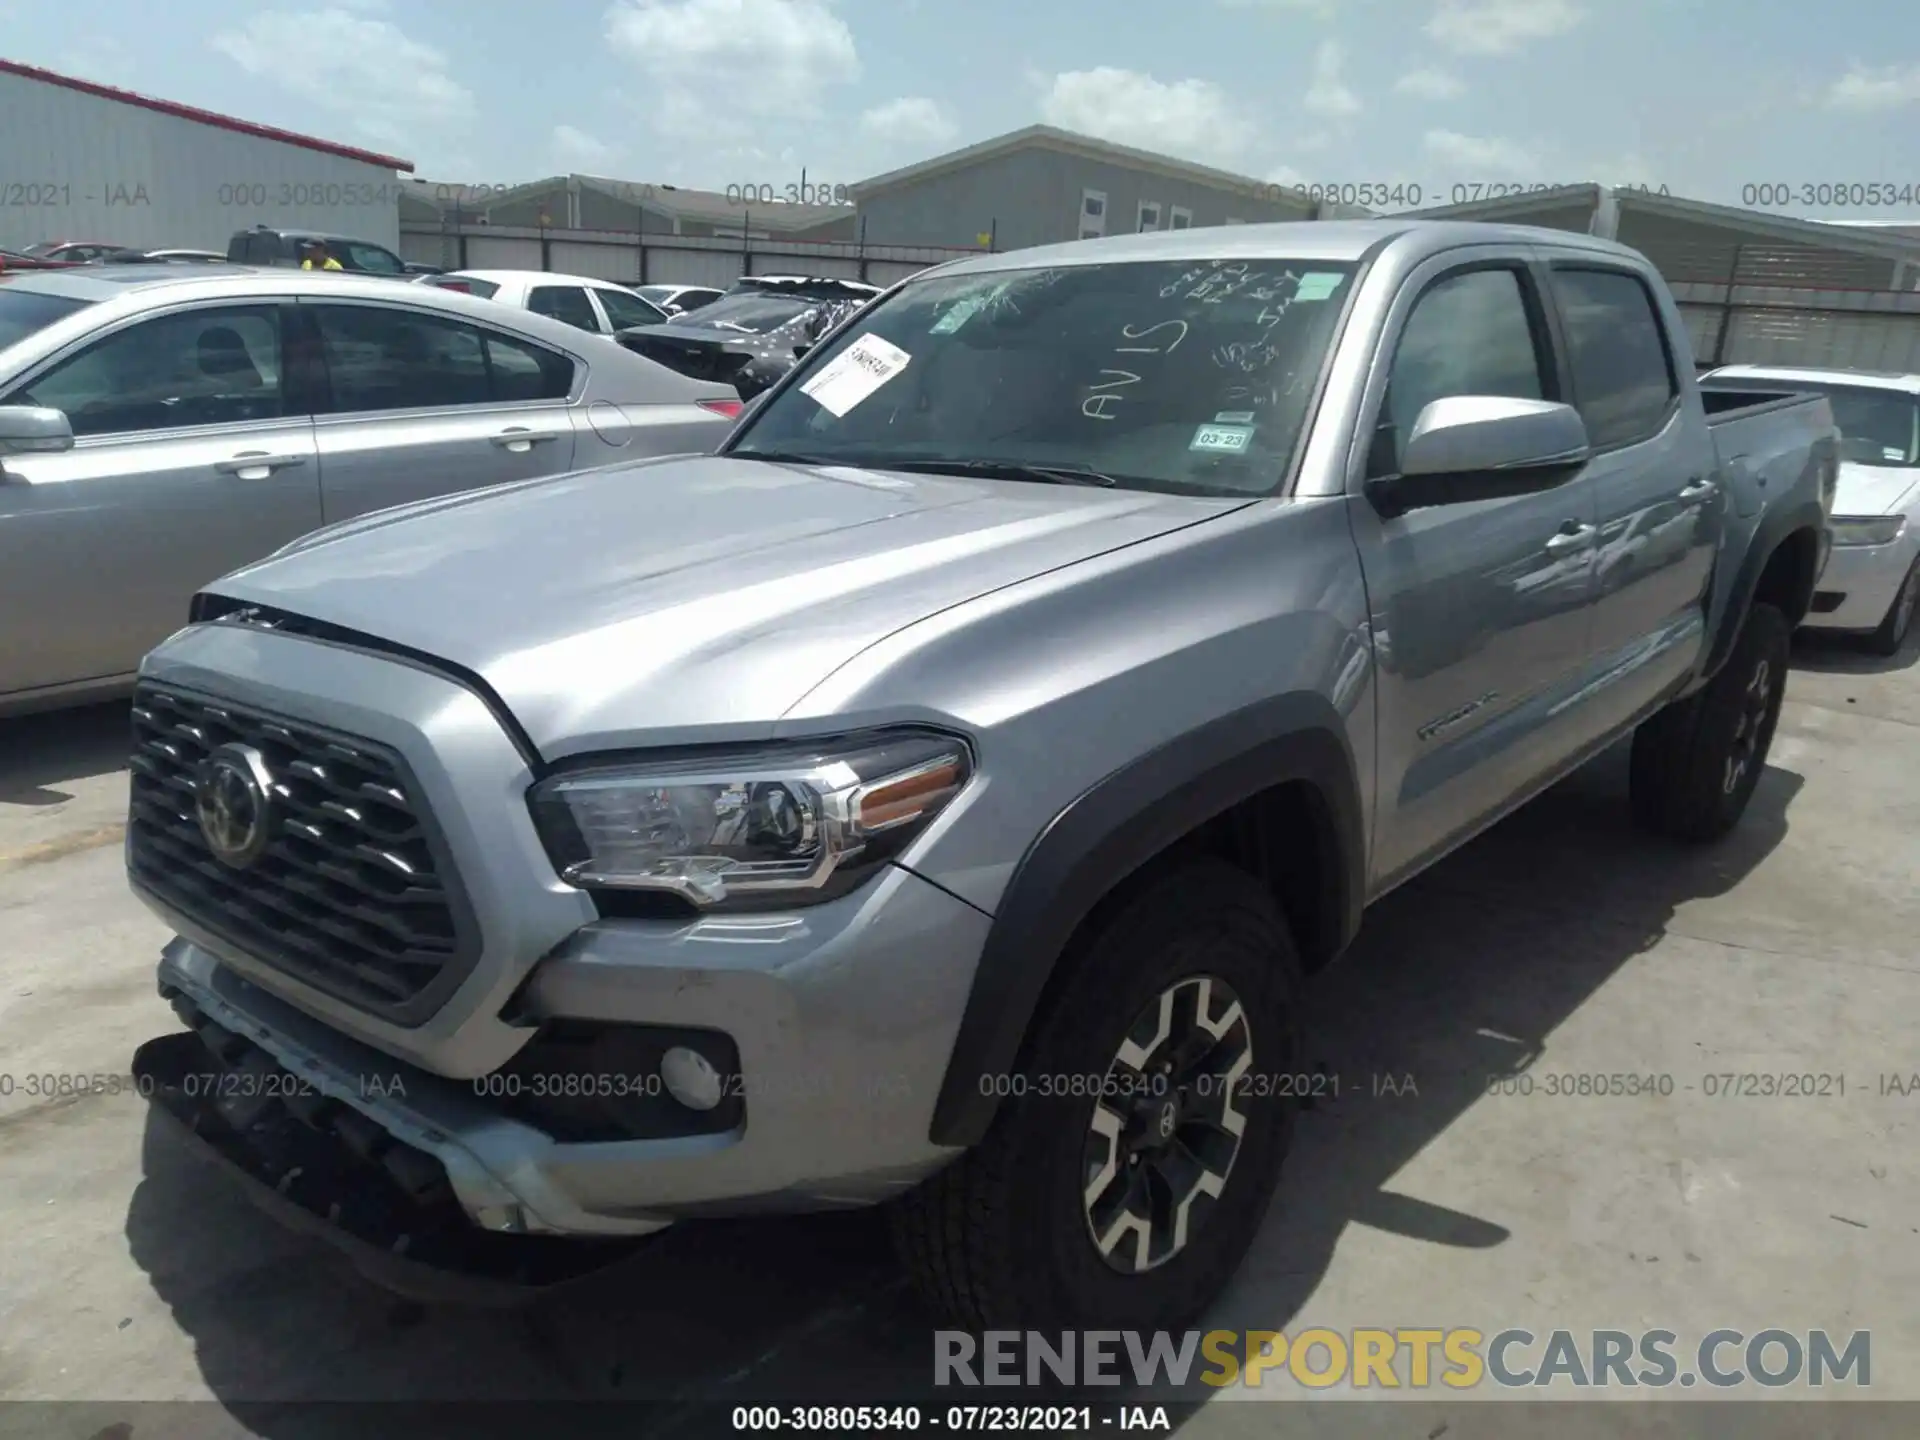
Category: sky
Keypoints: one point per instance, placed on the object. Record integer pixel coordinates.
(1711, 99)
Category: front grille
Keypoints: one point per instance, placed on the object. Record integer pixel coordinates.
(353, 893)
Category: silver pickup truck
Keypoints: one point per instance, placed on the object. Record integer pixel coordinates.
(940, 796)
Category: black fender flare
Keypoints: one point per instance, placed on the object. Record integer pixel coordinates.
(1772, 532)
(1113, 828)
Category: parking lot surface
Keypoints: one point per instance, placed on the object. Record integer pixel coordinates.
(1559, 944)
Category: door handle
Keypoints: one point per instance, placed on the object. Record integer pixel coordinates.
(520, 440)
(1572, 538)
(1698, 492)
(256, 464)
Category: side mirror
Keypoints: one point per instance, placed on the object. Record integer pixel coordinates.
(34, 430)
(1483, 447)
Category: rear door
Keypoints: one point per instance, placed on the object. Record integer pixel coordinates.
(193, 455)
(1660, 511)
(418, 404)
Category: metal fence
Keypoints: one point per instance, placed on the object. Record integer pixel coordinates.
(650, 258)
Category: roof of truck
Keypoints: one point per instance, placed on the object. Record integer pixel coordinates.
(1796, 375)
(1334, 241)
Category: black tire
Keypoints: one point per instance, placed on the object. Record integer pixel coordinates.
(1892, 633)
(1004, 1236)
(1696, 763)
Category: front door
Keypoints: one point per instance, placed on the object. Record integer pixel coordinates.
(193, 455)
(420, 404)
(1481, 611)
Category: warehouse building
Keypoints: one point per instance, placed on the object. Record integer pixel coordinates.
(89, 162)
(1042, 185)
(1755, 288)
(642, 233)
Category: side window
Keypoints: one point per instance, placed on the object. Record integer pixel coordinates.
(624, 310)
(370, 258)
(382, 358)
(524, 371)
(1469, 334)
(1623, 377)
(567, 303)
(217, 366)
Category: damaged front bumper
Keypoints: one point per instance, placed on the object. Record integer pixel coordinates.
(321, 1167)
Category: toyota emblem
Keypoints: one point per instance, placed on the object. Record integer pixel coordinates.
(233, 801)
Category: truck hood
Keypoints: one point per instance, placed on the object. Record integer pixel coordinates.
(1869, 490)
(690, 593)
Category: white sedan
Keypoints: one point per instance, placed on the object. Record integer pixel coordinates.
(1872, 581)
(599, 307)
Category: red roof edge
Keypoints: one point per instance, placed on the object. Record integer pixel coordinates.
(206, 117)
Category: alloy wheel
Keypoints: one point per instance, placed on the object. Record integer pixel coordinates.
(1168, 1124)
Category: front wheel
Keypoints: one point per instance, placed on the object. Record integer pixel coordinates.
(1696, 763)
(1892, 633)
(1129, 1204)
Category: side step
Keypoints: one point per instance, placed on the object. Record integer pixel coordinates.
(321, 1168)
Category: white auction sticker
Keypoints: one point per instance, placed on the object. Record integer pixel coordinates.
(855, 373)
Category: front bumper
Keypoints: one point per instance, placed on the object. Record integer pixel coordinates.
(1858, 584)
(836, 1021)
(842, 1019)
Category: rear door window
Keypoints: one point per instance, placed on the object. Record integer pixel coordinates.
(566, 303)
(1623, 380)
(383, 358)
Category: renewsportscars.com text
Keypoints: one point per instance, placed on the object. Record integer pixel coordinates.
(1382, 1359)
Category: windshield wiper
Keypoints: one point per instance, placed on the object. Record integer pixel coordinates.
(1002, 470)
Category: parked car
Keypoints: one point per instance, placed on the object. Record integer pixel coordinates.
(753, 334)
(1872, 584)
(160, 425)
(75, 251)
(939, 796)
(20, 260)
(599, 307)
(678, 299)
(264, 245)
(162, 257)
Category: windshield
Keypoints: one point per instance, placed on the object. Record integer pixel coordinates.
(1188, 377)
(23, 312)
(748, 310)
(1877, 427)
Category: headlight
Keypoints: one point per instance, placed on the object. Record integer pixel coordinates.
(800, 823)
(1879, 530)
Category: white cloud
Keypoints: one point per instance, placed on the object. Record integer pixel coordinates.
(393, 90)
(1875, 88)
(726, 69)
(1329, 95)
(1187, 118)
(910, 120)
(1430, 85)
(1481, 158)
(1284, 175)
(1500, 27)
(576, 151)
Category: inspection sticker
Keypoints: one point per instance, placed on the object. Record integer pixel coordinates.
(958, 315)
(855, 373)
(1234, 417)
(1227, 439)
(1892, 452)
(1317, 284)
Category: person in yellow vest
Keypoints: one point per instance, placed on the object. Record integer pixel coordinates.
(319, 259)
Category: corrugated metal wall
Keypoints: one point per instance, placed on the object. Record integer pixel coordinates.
(1825, 340)
(80, 167)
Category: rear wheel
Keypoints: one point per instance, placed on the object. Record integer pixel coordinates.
(1696, 763)
(1892, 633)
(1131, 1203)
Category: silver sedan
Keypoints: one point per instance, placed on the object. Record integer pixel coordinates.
(160, 427)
